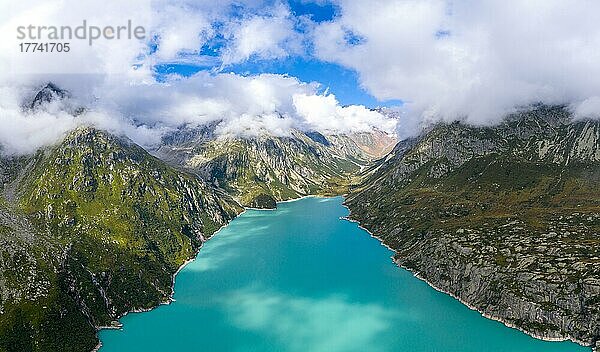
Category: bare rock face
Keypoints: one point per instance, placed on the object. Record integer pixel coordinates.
(505, 218)
(52, 99)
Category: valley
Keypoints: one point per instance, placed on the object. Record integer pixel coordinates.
(300, 175)
(504, 218)
(260, 171)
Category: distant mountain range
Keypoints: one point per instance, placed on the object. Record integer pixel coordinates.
(504, 218)
(262, 170)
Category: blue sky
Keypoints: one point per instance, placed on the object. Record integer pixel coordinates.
(318, 12)
(336, 79)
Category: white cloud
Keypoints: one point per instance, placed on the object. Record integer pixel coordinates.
(128, 100)
(271, 36)
(324, 113)
(114, 79)
(589, 108)
(23, 131)
(467, 59)
(256, 125)
(20, 133)
(180, 29)
(245, 106)
(104, 56)
(203, 98)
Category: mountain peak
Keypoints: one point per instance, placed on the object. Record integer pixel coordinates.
(47, 94)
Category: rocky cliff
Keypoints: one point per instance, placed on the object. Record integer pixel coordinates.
(505, 218)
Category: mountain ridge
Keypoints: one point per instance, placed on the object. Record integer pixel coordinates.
(504, 218)
(261, 170)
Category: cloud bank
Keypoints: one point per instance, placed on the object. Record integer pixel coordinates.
(116, 82)
(243, 106)
(446, 60)
(469, 59)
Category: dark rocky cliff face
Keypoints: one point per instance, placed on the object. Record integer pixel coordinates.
(90, 229)
(505, 218)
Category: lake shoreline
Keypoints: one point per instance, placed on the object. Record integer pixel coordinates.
(171, 298)
(468, 305)
(345, 218)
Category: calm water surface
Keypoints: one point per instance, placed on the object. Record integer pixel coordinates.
(301, 279)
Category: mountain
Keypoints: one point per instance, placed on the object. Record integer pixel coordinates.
(92, 228)
(52, 98)
(95, 227)
(261, 170)
(505, 218)
(375, 143)
(49, 93)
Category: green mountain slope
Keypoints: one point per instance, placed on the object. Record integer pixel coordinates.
(91, 229)
(505, 218)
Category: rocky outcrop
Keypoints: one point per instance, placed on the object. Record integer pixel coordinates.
(49, 93)
(52, 98)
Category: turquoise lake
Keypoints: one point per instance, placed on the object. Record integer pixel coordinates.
(302, 279)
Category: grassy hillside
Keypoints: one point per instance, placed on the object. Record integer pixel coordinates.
(93, 228)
